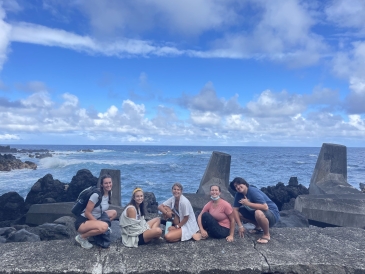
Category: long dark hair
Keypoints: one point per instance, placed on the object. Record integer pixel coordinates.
(133, 202)
(102, 189)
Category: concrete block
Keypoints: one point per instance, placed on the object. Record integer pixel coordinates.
(330, 173)
(346, 210)
(47, 213)
(116, 190)
(217, 173)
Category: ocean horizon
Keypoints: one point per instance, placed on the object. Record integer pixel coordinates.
(155, 168)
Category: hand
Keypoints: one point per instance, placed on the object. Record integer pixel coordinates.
(171, 228)
(244, 201)
(204, 233)
(241, 232)
(229, 238)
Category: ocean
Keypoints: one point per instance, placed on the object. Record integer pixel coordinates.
(156, 168)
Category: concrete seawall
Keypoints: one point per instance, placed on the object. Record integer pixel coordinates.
(291, 250)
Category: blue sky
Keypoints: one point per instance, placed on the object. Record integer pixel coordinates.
(182, 72)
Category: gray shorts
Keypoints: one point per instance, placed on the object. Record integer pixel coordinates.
(250, 215)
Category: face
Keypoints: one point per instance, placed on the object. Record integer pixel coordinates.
(176, 191)
(240, 188)
(138, 197)
(214, 191)
(107, 184)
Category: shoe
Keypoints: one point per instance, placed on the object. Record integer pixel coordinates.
(83, 242)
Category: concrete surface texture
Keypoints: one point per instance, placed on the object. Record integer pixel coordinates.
(340, 210)
(330, 173)
(291, 250)
(217, 173)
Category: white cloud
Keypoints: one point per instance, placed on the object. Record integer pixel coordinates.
(4, 37)
(283, 34)
(9, 137)
(346, 13)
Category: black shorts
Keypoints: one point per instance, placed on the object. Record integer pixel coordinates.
(250, 215)
(80, 220)
(141, 239)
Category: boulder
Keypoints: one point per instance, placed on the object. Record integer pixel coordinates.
(217, 173)
(52, 231)
(330, 173)
(83, 179)
(7, 231)
(9, 162)
(69, 222)
(281, 194)
(150, 202)
(22, 236)
(12, 206)
(44, 189)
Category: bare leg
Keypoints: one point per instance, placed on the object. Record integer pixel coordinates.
(92, 228)
(173, 235)
(155, 222)
(112, 214)
(263, 222)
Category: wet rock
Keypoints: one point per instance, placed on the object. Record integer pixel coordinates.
(9, 162)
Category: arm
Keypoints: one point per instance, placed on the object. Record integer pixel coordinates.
(180, 224)
(131, 213)
(166, 211)
(236, 215)
(245, 201)
(203, 232)
(89, 207)
(231, 230)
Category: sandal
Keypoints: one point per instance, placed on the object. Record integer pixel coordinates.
(263, 239)
(256, 231)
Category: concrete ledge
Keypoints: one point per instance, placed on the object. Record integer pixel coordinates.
(291, 250)
(47, 213)
(341, 210)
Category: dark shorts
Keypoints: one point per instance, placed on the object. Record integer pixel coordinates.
(80, 220)
(250, 215)
(141, 240)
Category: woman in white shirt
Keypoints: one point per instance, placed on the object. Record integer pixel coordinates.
(184, 223)
(87, 224)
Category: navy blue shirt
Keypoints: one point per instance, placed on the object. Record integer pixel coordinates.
(255, 195)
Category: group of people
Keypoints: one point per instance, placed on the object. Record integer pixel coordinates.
(216, 220)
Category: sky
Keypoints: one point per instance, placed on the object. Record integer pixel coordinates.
(182, 72)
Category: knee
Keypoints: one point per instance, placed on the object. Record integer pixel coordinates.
(168, 237)
(103, 227)
(259, 215)
(158, 231)
(113, 214)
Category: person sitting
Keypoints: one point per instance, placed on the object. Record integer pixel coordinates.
(135, 230)
(252, 205)
(184, 223)
(88, 223)
(216, 219)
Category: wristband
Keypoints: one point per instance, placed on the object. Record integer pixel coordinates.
(240, 227)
